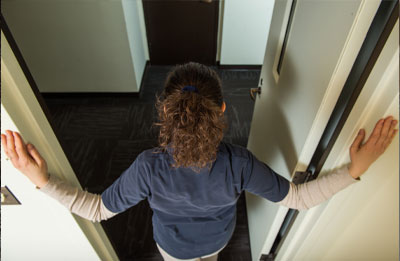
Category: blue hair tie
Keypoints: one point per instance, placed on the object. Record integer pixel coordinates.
(189, 88)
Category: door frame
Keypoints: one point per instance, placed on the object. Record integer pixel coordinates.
(217, 20)
(21, 100)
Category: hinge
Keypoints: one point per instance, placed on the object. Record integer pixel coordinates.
(254, 90)
(269, 257)
(7, 197)
(301, 177)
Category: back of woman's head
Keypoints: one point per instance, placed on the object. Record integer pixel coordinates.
(191, 120)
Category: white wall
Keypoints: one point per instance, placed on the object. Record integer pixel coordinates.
(40, 228)
(84, 46)
(135, 26)
(244, 31)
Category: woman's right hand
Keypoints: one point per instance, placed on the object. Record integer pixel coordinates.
(25, 158)
(363, 155)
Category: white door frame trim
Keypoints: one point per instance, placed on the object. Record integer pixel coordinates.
(24, 109)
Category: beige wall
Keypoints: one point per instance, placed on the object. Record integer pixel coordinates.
(84, 46)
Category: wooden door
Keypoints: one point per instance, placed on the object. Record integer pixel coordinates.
(180, 31)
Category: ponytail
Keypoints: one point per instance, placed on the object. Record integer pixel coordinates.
(191, 120)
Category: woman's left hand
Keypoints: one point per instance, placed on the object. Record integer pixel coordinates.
(25, 158)
(363, 155)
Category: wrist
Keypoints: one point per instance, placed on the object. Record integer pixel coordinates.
(354, 172)
(43, 181)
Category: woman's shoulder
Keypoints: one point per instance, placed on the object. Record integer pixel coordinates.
(234, 150)
(152, 153)
(151, 158)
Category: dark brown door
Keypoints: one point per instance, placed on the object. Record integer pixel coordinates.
(180, 31)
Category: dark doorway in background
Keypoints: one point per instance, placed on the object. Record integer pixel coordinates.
(180, 31)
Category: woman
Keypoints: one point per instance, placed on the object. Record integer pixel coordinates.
(193, 179)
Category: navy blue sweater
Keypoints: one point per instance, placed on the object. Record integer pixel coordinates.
(194, 214)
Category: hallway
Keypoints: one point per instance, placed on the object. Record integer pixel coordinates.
(102, 136)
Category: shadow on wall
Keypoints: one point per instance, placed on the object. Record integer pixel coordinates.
(276, 133)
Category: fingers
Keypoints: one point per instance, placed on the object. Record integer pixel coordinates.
(384, 131)
(357, 141)
(391, 134)
(20, 147)
(392, 129)
(11, 147)
(376, 132)
(4, 143)
(35, 154)
(19, 152)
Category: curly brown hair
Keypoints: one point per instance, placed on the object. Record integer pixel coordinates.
(192, 123)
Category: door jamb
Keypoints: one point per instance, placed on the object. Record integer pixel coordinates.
(25, 105)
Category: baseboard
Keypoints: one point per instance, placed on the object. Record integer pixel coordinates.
(239, 66)
(50, 95)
